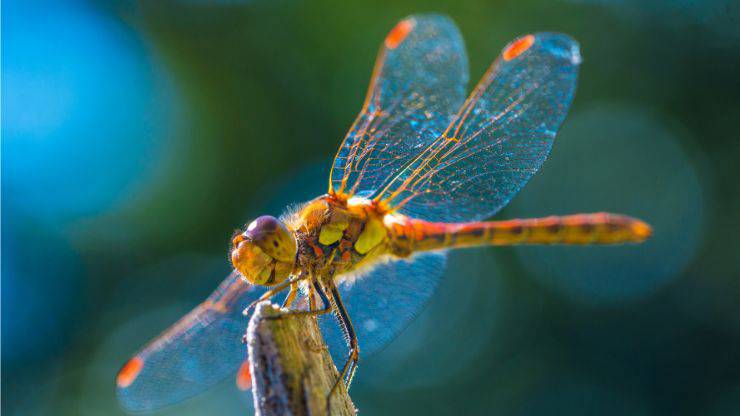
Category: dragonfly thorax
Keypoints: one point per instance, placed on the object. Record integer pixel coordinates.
(336, 235)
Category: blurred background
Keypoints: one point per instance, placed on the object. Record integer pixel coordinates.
(137, 136)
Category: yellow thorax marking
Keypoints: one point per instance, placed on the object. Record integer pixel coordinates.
(373, 234)
(332, 232)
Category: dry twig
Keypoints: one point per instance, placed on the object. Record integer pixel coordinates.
(292, 370)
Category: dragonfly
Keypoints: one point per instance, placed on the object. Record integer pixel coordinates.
(419, 172)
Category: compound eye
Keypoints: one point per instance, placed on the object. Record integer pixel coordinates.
(273, 237)
(261, 228)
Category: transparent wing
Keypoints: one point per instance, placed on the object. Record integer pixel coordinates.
(201, 349)
(417, 85)
(499, 138)
(383, 302)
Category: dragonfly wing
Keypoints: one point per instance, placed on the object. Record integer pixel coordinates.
(417, 85)
(383, 302)
(201, 349)
(499, 138)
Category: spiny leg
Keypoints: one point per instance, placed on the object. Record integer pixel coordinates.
(274, 291)
(348, 371)
(291, 296)
(288, 299)
(311, 300)
(310, 312)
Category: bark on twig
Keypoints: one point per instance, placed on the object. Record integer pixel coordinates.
(292, 370)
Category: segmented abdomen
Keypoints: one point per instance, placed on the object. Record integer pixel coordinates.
(599, 228)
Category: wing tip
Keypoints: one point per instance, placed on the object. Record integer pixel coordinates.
(563, 45)
(399, 33)
(129, 372)
(572, 50)
(517, 47)
(556, 43)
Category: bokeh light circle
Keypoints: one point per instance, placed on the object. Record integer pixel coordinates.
(87, 110)
(622, 160)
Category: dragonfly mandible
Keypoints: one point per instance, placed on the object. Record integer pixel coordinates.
(416, 175)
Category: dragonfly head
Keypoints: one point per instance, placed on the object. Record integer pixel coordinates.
(265, 252)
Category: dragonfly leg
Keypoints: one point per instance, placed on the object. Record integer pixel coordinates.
(311, 312)
(291, 296)
(348, 371)
(274, 291)
(311, 300)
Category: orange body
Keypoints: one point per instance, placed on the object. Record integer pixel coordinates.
(336, 235)
(600, 228)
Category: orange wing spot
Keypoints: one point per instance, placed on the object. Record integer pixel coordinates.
(244, 377)
(129, 372)
(399, 33)
(518, 47)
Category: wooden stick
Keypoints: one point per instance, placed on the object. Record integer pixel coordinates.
(292, 370)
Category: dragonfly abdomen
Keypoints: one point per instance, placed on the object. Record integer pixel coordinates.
(579, 229)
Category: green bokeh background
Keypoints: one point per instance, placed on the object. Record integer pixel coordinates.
(260, 94)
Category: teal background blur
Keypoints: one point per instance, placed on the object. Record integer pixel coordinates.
(137, 136)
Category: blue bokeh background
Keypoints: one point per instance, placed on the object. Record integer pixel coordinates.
(136, 136)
